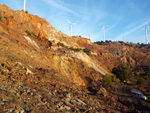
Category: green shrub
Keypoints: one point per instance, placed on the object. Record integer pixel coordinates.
(21, 24)
(122, 72)
(60, 44)
(147, 74)
(107, 81)
(28, 32)
(27, 12)
(116, 80)
(87, 51)
(140, 81)
(33, 33)
(75, 49)
(136, 74)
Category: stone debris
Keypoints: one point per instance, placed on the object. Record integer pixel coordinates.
(38, 78)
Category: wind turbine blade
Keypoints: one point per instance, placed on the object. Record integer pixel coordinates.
(74, 23)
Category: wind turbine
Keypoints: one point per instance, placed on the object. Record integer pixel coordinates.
(146, 32)
(24, 4)
(70, 27)
(104, 31)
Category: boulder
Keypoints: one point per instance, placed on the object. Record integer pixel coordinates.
(102, 92)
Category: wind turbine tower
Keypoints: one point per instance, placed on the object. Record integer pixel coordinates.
(104, 31)
(146, 28)
(70, 27)
(24, 5)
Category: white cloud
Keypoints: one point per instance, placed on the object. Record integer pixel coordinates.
(61, 5)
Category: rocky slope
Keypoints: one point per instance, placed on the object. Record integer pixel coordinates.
(37, 77)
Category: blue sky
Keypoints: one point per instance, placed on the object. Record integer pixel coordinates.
(123, 16)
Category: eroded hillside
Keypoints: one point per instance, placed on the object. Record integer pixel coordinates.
(44, 70)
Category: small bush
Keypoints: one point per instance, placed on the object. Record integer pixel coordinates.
(75, 49)
(60, 44)
(66, 47)
(147, 74)
(21, 24)
(27, 12)
(123, 72)
(87, 51)
(136, 74)
(28, 32)
(107, 81)
(116, 80)
(33, 33)
(140, 81)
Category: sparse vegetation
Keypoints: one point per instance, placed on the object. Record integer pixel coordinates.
(60, 44)
(30, 33)
(54, 76)
(87, 51)
(140, 81)
(21, 24)
(71, 48)
(122, 72)
(33, 33)
(27, 12)
(116, 80)
(136, 74)
(107, 81)
(75, 49)
(147, 74)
